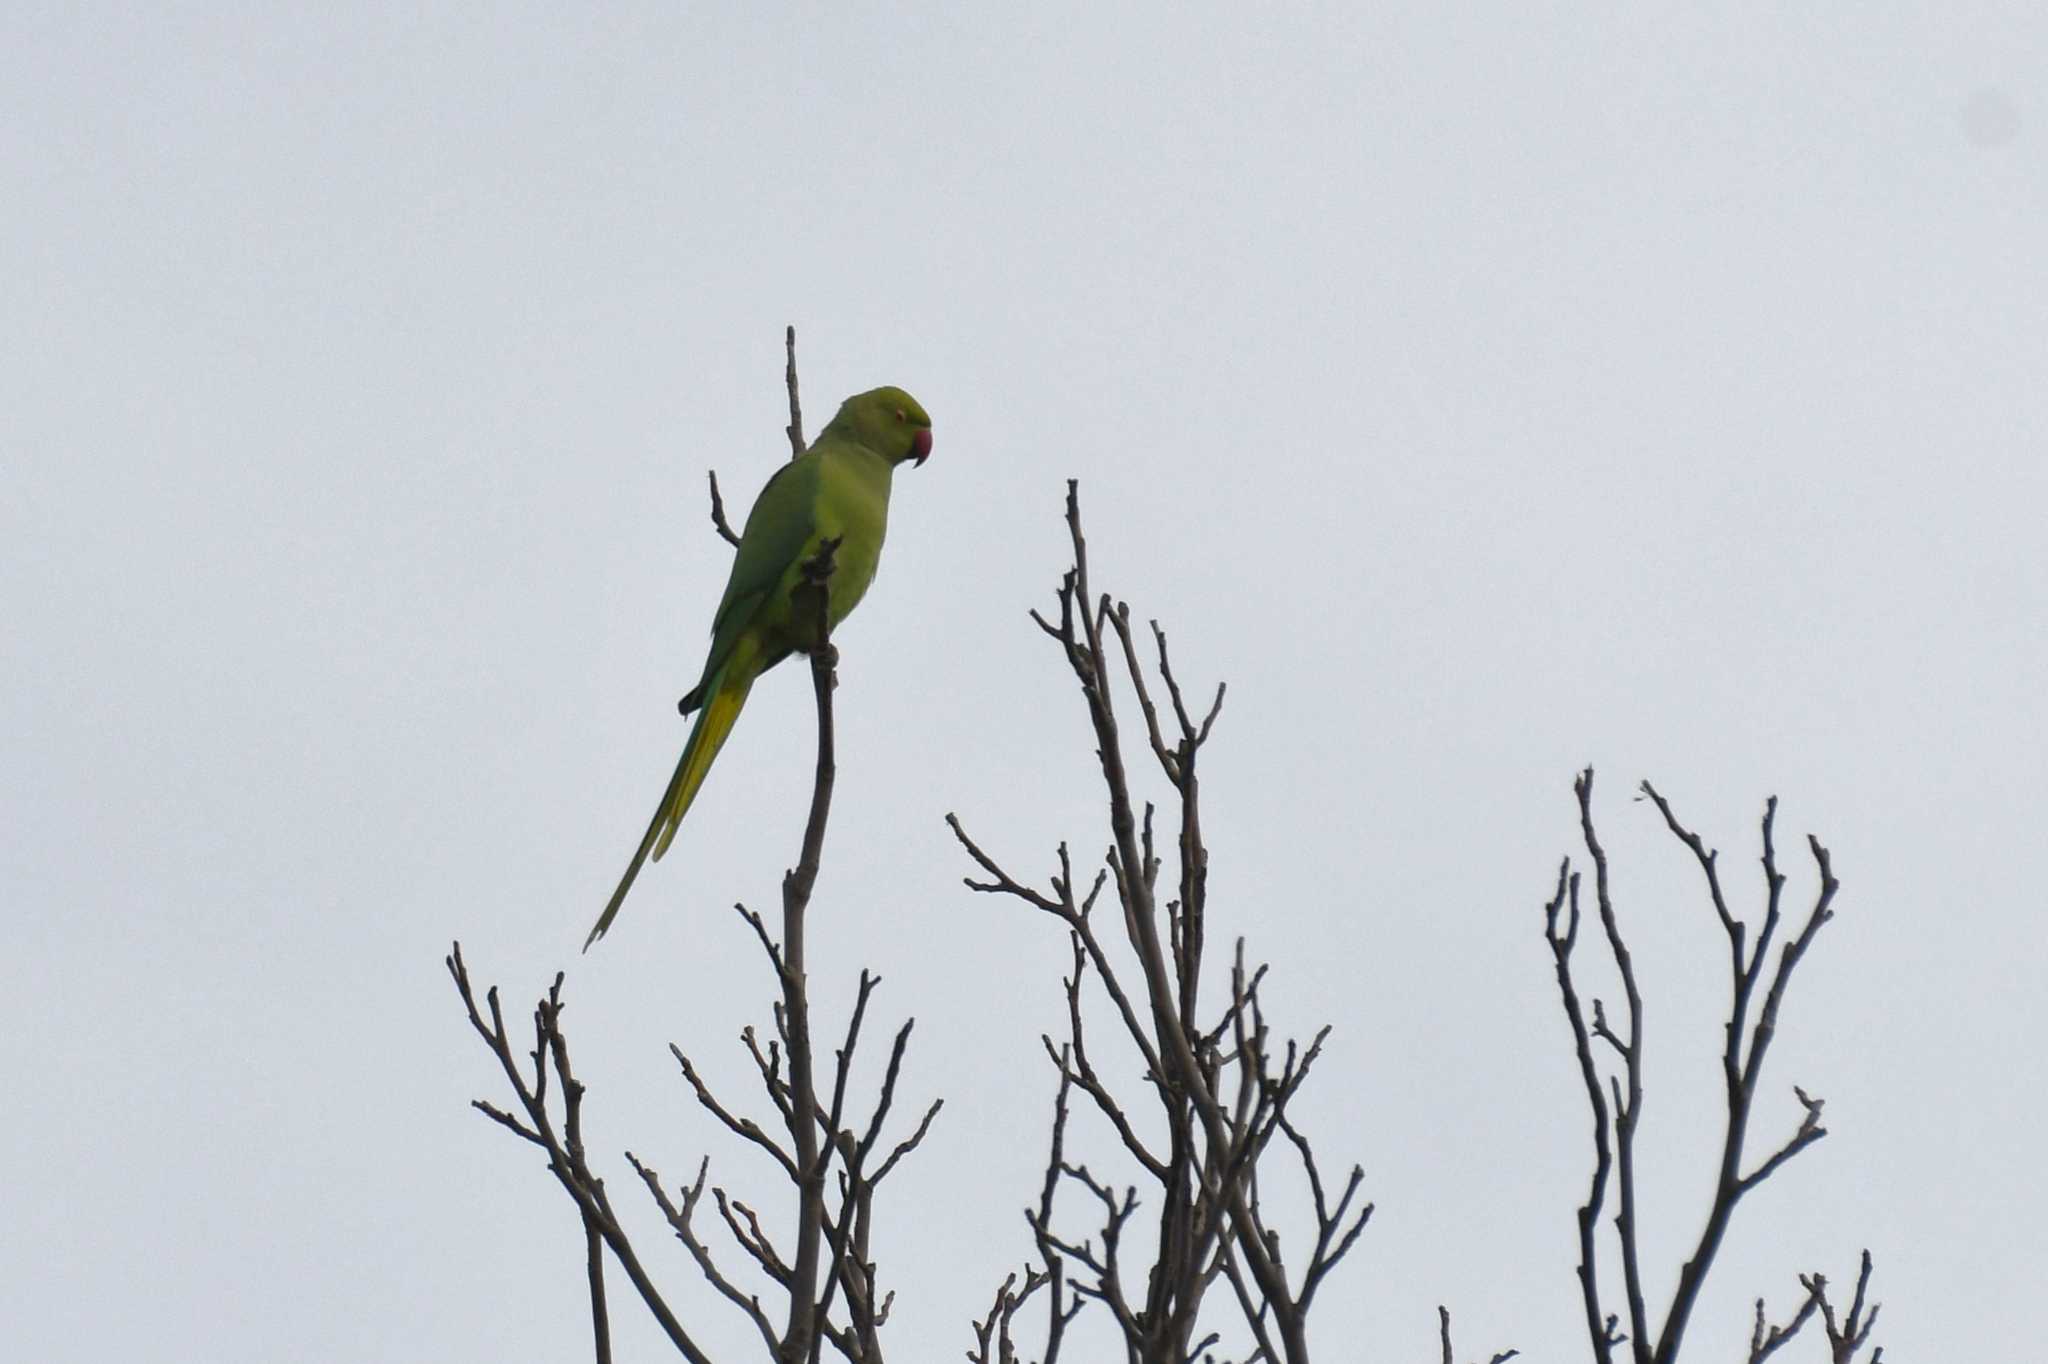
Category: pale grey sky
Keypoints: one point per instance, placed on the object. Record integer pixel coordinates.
(1482, 391)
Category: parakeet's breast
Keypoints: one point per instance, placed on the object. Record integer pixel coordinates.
(853, 504)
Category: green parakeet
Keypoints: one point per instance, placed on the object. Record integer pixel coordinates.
(839, 488)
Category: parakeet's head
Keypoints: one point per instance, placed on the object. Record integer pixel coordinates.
(888, 421)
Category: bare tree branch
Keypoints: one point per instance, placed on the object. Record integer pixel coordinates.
(1615, 1099)
(1765, 1339)
(679, 1215)
(1847, 1336)
(1221, 1085)
(569, 1168)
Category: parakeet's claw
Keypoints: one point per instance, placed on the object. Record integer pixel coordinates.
(818, 568)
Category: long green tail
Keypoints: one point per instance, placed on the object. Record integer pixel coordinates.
(728, 694)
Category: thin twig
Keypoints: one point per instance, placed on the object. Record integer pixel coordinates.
(723, 526)
(1443, 1326)
(795, 429)
(1765, 1339)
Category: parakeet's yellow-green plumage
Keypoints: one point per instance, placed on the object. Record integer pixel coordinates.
(836, 490)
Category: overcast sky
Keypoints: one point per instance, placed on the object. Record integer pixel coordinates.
(1483, 391)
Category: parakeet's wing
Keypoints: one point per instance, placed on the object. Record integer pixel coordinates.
(777, 527)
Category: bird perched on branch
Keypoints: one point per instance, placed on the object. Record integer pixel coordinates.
(835, 496)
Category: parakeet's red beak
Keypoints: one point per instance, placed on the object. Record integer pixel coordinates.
(921, 445)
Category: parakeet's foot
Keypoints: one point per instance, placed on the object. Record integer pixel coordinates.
(818, 568)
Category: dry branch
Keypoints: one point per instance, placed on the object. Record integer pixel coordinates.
(1217, 1088)
(1614, 1088)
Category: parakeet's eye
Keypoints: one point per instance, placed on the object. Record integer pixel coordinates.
(901, 415)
